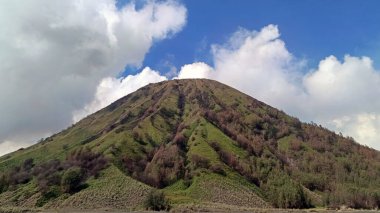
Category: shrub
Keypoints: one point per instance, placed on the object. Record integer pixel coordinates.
(52, 193)
(80, 165)
(180, 140)
(353, 197)
(3, 183)
(48, 174)
(28, 164)
(134, 164)
(167, 113)
(314, 182)
(165, 168)
(91, 163)
(233, 161)
(200, 161)
(285, 193)
(72, 180)
(65, 147)
(296, 145)
(19, 176)
(218, 169)
(157, 201)
(181, 102)
(215, 145)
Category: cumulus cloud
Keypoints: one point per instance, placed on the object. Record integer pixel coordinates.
(343, 97)
(339, 95)
(364, 127)
(54, 54)
(344, 88)
(259, 64)
(111, 89)
(195, 70)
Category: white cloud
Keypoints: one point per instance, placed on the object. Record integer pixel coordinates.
(9, 146)
(344, 88)
(364, 127)
(256, 63)
(343, 97)
(340, 95)
(195, 70)
(54, 54)
(111, 89)
(259, 64)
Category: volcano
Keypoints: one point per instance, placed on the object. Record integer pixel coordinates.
(199, 142)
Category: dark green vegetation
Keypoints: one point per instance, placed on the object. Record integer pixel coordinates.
(54, 178)
(157, 201)
(196, 141)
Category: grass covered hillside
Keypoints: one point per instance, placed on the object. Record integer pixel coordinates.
(191, 142)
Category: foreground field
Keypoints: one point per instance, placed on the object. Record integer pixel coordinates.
(211, 207)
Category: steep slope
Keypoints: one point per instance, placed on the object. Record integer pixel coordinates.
(200, 142)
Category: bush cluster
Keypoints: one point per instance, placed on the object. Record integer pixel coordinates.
(283, 192)
(55, 177)
(157, 201)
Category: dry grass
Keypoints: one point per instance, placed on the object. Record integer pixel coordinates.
(114, 190)
(217, 207)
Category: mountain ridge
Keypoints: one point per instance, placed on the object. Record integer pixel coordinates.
(181, 136)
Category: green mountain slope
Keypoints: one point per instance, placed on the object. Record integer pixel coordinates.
(198, 141)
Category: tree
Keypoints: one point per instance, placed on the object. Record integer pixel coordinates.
(3, 183)
(72, 180)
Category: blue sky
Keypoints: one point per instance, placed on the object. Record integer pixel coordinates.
(312, 30)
